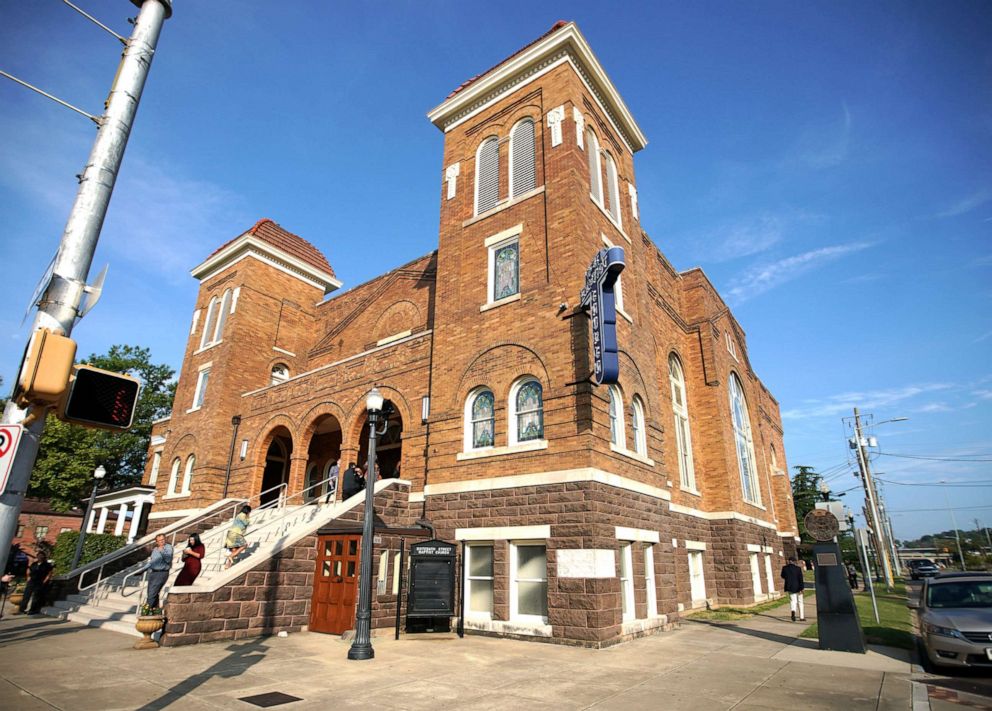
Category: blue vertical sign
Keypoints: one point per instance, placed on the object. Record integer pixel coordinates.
(599, 297)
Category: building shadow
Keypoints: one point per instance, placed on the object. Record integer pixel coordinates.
(761, 634)
(243, 656)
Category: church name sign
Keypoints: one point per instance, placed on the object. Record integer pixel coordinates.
(599, 297)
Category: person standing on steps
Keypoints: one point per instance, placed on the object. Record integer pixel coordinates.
(192, 560)
(792, 574)
(235, 541)
(353, 481)
(158, 566)
(332, 482)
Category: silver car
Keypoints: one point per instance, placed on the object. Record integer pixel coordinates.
(956, 619)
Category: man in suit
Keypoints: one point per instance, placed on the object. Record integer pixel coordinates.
(792, 574)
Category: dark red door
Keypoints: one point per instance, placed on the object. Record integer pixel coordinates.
(335, 584)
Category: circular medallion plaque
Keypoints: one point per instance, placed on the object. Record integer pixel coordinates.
(822, 524)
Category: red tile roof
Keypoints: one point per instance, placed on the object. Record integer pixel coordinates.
(293, 245)
(554, 28)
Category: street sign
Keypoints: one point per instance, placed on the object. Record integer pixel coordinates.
(10, 435)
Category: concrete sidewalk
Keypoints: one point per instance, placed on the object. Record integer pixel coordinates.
(46, 664)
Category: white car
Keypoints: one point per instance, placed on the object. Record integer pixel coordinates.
(956, 619)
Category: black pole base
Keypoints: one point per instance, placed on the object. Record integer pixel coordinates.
(359, 653)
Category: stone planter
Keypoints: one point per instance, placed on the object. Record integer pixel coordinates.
(16, 598)
(148, 625)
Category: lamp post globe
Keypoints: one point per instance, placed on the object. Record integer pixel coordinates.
(361, 647)
(98, 475)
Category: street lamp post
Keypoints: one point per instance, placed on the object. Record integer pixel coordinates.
(98, 475)
(361, 647)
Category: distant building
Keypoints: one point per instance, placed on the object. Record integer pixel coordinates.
(38, 522)
(590, 514)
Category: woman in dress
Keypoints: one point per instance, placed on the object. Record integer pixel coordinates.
(192, 559)
(235, 541)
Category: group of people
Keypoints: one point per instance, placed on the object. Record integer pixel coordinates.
(160, 561)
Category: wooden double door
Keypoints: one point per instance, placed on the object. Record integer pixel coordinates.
(335, 583)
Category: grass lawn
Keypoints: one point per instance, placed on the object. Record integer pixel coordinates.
(895, 628)
(740, 613)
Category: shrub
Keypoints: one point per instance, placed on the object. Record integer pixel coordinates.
(95, 545)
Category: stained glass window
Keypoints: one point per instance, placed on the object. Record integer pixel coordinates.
(506, 271)
(483, 420)
(530, 411)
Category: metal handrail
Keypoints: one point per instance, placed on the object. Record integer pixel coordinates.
(278, 502)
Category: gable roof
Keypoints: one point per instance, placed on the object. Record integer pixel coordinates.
(294, 245)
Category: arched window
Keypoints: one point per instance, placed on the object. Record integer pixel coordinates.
(612, 188)
(527, 412)
(595, 174)
(480, 419)
(743, 440)
(173, 478)
(523, 176)
(617, 435)
(637, 425)
(280, 374)
(683, 438)
(487, 175)
(188, 474)
(774, 461)
(225, 309)
(313, 478)
(210, 324)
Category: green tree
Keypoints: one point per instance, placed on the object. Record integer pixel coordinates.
(805, 494)
(68, 453)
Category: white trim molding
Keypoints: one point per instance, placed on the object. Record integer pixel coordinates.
(695, 545)
(451, 177)
(555, 118)
(503, 533)
(563, 476)
(751, 548)
(637, 534)
(529, 446)
(720, 516)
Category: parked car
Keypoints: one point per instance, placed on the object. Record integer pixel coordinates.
(956, 620)
(922, 568)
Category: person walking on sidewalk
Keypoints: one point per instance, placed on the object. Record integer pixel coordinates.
(792, 574)
(39, 581)
(158, 566)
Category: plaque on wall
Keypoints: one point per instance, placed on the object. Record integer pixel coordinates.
(826, 559)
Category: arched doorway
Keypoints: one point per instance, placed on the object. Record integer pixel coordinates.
(324, 451)
(276, 470)
(388, 447)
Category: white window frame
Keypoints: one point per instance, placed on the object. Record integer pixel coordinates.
(595, 168)
(275, 379)
(650, 581)
(468, 434)
(769, 575)
(731, 346)
(174, 478)
(743, 442)
(618, 436)
(209, 323)
(755, 576)
(470, 580)
(222, 314)
(637, 424)
(202, 381)
(188, 474)
(613, 187)
(697, 556)
(156, 464)
(515, 615)
(618, 286)
(494, 244)
(512, 434)
(514, 193)
(627, 605)
(478, 166)
(683, 434)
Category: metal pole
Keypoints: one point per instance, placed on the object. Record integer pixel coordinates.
(881, 550)
(82, 532)
(236, 421)
(954, 523)
(361, 647)
(399, 589)
(868, 581)
(461, 596)
(59, 306)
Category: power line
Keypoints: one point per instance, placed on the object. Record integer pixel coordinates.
(938, 459)
(953, 508)
(978, 483)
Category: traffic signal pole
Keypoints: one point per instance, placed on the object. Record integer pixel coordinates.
(62, 297)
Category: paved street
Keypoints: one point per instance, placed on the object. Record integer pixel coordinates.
(754, 664)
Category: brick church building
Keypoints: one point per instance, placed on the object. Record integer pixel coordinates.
(590, 514)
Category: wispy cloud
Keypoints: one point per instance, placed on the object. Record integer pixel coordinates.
(834, 405)
(826, 145)
(983, 394)
(757, 280)
(934, 407)
(984, 337)
(967, 203)
(750, 234)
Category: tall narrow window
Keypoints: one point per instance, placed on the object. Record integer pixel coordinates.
(529, 584)
(626, 582)
(225, 309)
(528, 411)
(613, 188)
(156, 463)
(482, 420)
(617, 435)
(173, 478)
(697, 579)
(743, 440)
(479, 581)
(523, 176)
(637, 425)
(188, 474)
(595, 173)
(210, 324)
(683, 438)
(487, 175)
(201, 388)
(506, 270)
(649, 581)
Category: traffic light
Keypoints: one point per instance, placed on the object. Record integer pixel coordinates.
(44, 374)
(100, 398)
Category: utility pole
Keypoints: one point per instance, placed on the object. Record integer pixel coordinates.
(978, 527)
(59, 305)
(875, 522)
(887, 527)
(954, 522)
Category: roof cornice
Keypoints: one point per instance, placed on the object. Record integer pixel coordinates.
(250, 245)
(568, 43)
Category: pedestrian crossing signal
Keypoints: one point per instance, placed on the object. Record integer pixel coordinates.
(100, 398)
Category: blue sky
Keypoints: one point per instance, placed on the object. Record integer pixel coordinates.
(828, 164)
